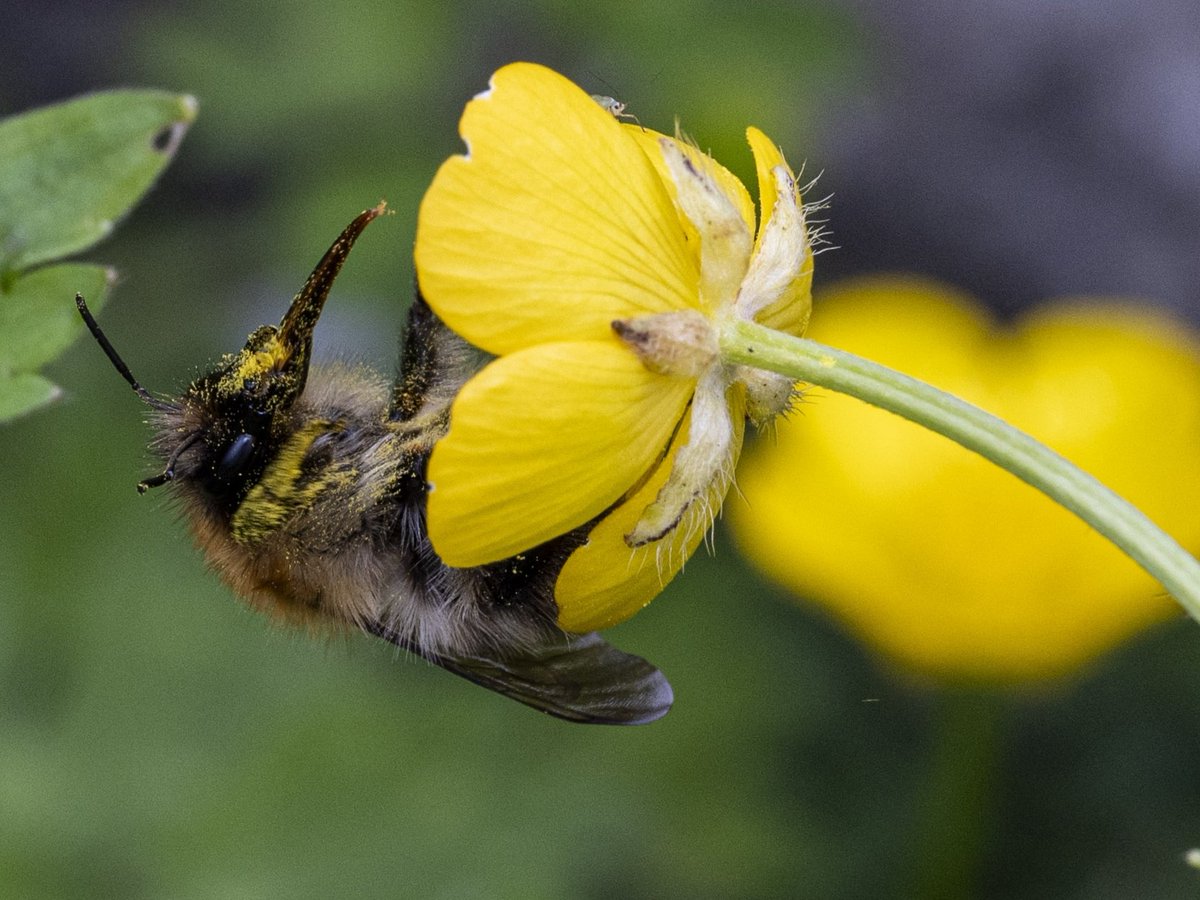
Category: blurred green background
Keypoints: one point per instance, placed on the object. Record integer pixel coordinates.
(158, 740)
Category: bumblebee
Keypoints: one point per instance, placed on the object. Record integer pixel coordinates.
(305, 488)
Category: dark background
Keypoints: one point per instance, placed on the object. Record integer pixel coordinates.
(158, 740)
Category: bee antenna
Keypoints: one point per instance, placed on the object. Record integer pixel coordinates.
(113, 356)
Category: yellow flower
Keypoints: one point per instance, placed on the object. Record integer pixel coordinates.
(947, 564)
(597, 261)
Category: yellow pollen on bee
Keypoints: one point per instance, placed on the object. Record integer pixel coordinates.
(284, 488)
(253, 364)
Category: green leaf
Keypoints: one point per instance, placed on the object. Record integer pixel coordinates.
(38, 320)
(69, 171)
(24, 391)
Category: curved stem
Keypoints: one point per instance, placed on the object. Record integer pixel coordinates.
(751, 344)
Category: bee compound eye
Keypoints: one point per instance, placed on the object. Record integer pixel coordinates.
(236, 456)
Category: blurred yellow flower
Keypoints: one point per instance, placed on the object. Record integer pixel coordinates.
(939, 559)
(597, 261)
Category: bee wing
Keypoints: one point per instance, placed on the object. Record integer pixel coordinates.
(581, 678)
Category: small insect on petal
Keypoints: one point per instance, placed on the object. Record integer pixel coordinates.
(614, 106)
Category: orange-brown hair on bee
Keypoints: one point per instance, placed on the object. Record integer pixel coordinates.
(305, 487)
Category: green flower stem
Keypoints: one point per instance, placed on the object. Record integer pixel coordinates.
(956, 800)
(751, 344)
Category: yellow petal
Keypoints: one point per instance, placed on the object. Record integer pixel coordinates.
(649, 140)
(791, 311)
(604, 582)
(767, 156)
(730, 184)
(541, 441)
(552, 225)
(725, 238)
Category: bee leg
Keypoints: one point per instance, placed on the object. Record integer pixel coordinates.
(434, 363)
(581, 678)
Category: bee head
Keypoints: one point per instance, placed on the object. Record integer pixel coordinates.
(229, 422)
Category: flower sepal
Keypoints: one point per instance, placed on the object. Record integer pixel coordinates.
(681, 343)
